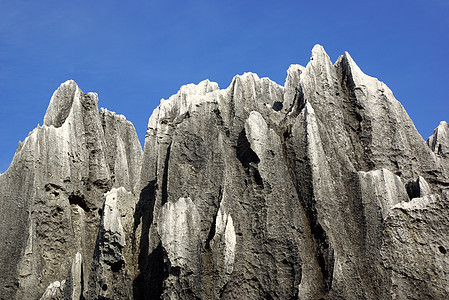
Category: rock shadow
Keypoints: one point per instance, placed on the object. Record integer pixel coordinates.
(149, 283)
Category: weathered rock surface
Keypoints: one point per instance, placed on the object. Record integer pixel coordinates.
(318, 189)
(111, 274)
(439, 141)
(52, 192)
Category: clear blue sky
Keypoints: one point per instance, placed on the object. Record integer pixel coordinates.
(133, 53)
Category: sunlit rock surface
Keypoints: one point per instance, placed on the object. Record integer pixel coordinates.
(318, 189)
(439, 141)
(52, 193)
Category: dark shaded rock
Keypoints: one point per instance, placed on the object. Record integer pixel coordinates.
(418, 188)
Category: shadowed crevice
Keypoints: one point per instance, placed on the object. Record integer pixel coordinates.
(165, 176)
(301, 175)
(143, 216)
(79, 200)
(211, 234)
(245, 154)
(248, 158)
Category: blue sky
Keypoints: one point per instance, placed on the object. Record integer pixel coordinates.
(133, 53)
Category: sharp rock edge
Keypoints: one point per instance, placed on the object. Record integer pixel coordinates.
(318, 189)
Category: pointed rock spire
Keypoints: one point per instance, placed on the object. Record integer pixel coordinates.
(61, 103)
(439, 140)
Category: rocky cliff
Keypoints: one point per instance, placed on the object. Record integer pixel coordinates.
(318, 189)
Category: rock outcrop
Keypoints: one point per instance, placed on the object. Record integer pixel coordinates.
(318, 189)
(439, 141)
(52, 194)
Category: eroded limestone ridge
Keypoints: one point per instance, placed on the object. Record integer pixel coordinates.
(318, 189)
(52, 194)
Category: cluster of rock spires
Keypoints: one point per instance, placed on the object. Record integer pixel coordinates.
(318, 189)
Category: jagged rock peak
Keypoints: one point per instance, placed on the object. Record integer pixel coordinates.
(109, 113)
(328, 153)
(64, 100)
(439, 140)
(60, 104)
(54, 188)
(202, 88)
(319, 54)
(192, 95)
(318, 189)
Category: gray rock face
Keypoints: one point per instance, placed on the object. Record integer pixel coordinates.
(110, 277)
(318, 189)
(439, 141)
(419, 269)
(53, 190)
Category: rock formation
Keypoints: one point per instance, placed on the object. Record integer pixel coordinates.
(52, 194)
(318, 189)
(439, 141)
